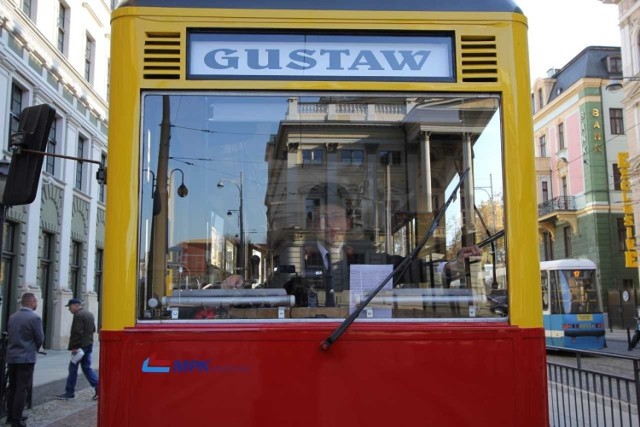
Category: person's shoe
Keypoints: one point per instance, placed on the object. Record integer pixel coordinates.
(65, 396)
(10, 420)
(95, 396)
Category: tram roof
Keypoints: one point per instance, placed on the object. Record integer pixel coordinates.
(567, 264)
(389, 5)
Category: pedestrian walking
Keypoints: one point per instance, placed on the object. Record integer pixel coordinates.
(81, 346)
(25, 338)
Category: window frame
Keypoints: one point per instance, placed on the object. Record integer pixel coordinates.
(89, 58)
(75, 268)
(393, 156)
(561, 142)
(80, 149)
(27, 8)
(622, 235)
(545, 191)
(548, 246)
(16, 105)
(349, 157)
(313, 156)
(102, 193)
(402, 217)
(617, 177)
(568, 246)
(616, 121)
(62, 25)
(50, 161)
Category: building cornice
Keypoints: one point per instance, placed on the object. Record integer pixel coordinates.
(90, 11)
(29, 36)
(549, 112)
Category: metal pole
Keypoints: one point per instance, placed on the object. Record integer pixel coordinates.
(242, 245)
(6, 307)
(493, 204)
(6, 297)
(636, 377)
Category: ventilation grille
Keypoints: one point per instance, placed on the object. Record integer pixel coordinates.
(479, 59)
(162, 55)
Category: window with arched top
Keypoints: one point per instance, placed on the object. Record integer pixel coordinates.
(540, 99)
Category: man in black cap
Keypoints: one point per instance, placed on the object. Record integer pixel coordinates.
(81, 340)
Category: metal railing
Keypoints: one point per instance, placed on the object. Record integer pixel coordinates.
(582, 397)
(562, 203)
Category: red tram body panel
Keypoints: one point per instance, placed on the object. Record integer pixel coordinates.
(375, 375)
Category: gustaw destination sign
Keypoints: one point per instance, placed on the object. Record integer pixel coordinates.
(419, 58)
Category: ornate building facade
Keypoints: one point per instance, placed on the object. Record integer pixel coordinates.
(56, 52)
(580, 140)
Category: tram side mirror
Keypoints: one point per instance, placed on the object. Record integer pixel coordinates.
(28, 145)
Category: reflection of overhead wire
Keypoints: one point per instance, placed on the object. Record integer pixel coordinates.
(219, 132)
(178, 159)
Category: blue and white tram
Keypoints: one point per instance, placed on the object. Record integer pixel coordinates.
(572, 304)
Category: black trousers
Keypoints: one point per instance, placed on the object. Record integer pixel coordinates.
(20, 379)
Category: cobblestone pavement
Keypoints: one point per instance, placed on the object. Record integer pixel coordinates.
(78, 412)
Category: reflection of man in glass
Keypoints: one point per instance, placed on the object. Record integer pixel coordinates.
(328, 256)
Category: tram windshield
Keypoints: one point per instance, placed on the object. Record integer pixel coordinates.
(298, 205)
(578, 293)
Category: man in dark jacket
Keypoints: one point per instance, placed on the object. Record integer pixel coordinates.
(81, 345)
(25, 338)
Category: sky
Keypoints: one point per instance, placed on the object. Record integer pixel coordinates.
(560, 29)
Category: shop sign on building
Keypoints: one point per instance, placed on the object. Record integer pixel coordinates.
(630, 255)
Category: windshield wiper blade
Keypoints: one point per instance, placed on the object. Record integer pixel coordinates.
(400, 269)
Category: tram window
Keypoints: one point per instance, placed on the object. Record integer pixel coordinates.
(544, 279)
(252, 212)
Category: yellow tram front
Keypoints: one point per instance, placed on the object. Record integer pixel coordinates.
(315, 214)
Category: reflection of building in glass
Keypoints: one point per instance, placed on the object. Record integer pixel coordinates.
(190, 259)
(387, 161)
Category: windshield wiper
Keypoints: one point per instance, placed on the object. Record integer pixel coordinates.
(400, 269)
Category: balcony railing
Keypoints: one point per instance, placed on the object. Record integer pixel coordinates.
(562, 203)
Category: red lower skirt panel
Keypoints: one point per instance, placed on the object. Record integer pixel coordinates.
(276, 375)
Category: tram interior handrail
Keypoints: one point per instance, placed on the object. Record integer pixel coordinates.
(227, 297)
(422, 296)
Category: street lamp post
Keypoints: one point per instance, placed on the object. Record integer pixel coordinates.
(156, 262)
(241, 258)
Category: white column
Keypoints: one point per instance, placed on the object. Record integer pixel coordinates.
(69, 177)
(32, 226)
(6, 69)
(94, 189)
(425, 156)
